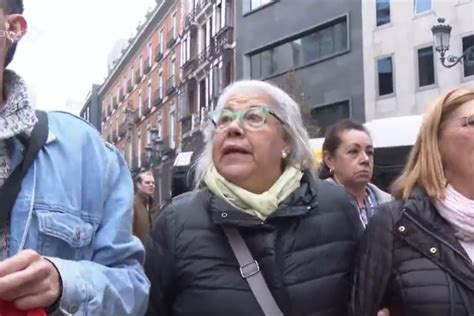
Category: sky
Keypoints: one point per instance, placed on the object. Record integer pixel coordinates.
(67, 46)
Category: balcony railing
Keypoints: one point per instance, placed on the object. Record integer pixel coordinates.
(223, 39)
(159, 54)
(147, 69)
(186, 125)
(171, 38)
(170, 85)
(190, 66)
(114, 136)
(200, 6)
(136, 116)
(146, 108)
(158, 97)
(138, 77)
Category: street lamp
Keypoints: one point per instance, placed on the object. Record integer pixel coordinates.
(442, 33)
(153, 150)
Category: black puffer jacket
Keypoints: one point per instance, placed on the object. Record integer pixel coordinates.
(411, 262)
(305, 250)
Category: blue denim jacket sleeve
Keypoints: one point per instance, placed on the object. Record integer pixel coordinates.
(114, 282)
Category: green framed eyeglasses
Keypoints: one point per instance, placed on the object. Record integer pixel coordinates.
(251, 119)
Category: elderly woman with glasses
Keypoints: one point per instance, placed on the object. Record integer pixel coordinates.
(260, 235)
(418, 252)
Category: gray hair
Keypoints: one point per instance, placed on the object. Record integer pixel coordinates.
(284, 106)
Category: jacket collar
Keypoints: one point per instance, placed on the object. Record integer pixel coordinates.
(300, 202)
(421, 226)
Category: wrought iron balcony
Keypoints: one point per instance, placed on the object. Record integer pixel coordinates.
(146, 108)
(171, 38)
(190, 65)
(170, 85)
(158, 97)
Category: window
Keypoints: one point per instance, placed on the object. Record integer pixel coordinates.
(468, 42)
(218, 19)
(129, 153)
(160, 83)
(173, 62)
(160, 126)
(426, 75)
(149, 95)
(148, 134)
(140, 104)
(139, 149)
(385, 76)
(172, 129)
(422, 6)
(383, 12)
(150, 55)
(327, 40)
(141, 66)
(325, 116)
(133, 77)
(174, 25)
(250, 5)
(161, 41)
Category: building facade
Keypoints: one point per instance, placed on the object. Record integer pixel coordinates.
(207, 57)
(402, 71)
(140, 95)
(92, 109)
(312, 49)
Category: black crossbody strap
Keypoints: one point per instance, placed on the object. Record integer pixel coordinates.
(250, 271)
(12, 185)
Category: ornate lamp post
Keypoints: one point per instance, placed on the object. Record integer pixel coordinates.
(442, 34)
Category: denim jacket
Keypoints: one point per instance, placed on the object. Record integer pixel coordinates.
(75, 208)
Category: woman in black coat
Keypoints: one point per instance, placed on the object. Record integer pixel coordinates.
(417, 254)
(255, 177)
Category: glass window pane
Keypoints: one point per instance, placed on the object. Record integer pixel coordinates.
(310, 47)
(296, 48)
(325, 116)
(326, 42)
(255, 4)
(255, 66)
(266, 63)
(385, 76)
(422, 6)
(469, 61)
(282, 58)
(383, 12)
(426, 66)
(340, 36)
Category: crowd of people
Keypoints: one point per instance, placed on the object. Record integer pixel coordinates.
(262, 233)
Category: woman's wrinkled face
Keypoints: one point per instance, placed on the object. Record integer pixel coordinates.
(456, 142)
(353, 161)
(245, 152)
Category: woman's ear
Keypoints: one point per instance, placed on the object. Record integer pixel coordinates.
(16, 27)
(328, 159)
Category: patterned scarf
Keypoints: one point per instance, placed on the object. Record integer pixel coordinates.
(16, 117)
(458, 210)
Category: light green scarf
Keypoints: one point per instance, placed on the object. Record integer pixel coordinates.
(259, 205)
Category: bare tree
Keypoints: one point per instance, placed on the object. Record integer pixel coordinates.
(299, 92)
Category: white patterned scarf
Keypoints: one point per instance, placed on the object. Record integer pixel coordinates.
(16, 117)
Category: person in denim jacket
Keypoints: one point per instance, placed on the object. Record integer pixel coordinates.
(67, 246)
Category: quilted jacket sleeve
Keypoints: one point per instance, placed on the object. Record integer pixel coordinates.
(373, 265)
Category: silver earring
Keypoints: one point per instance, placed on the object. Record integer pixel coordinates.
(284, 155)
